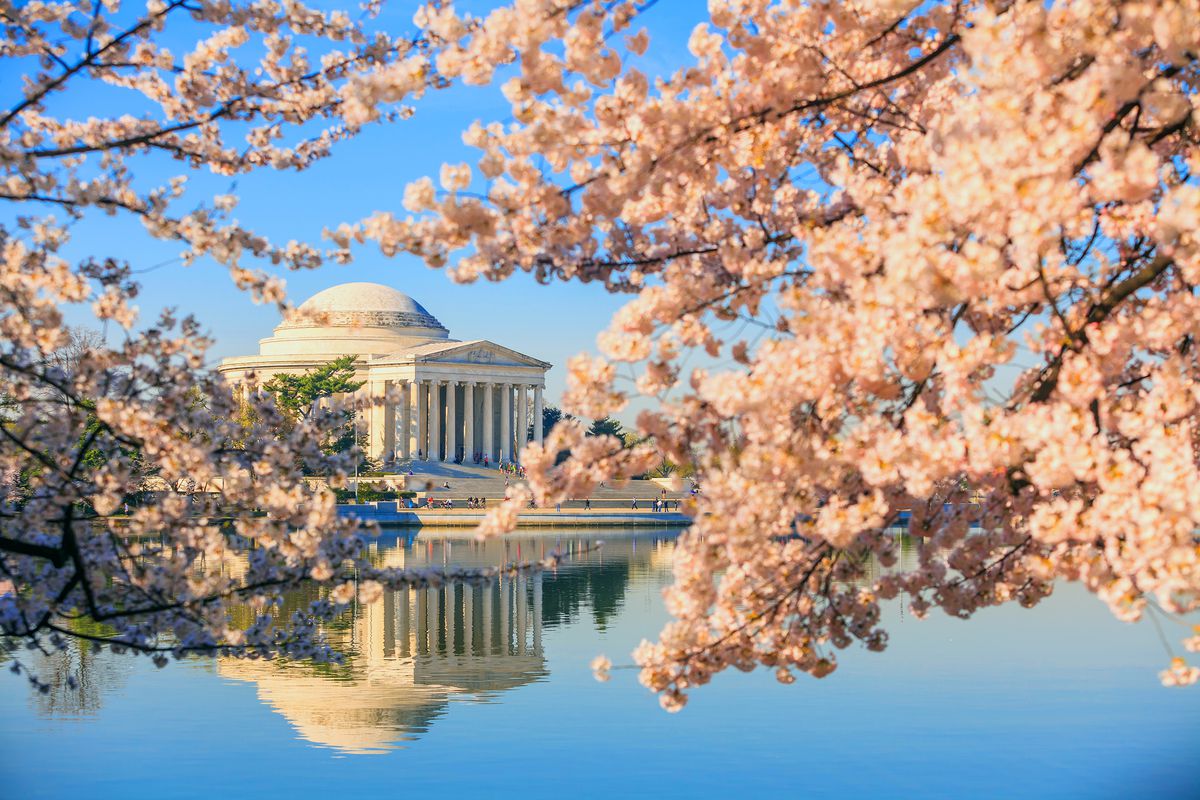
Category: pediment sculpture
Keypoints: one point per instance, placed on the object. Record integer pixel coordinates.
(481, 356)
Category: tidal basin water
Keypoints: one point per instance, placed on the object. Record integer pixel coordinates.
(488, 693)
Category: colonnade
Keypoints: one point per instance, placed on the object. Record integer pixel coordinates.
(439, 419)
(501, 617)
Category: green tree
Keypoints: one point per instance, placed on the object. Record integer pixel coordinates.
(298, 394)
(347, 436)
(551, 416)
(607, 426)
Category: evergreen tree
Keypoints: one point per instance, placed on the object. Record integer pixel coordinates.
(298, 394)
(551, 416)
(606, 426)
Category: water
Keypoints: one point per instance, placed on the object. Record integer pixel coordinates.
(1060, 701)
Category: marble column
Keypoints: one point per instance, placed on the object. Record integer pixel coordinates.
(506, 421)
(378, 412)
(406, 409)
(389, 421)
(421, 395)
(489, 439)
(451, 423)
(522, 417)
(435, 418)
(538, 407)
(468, 421)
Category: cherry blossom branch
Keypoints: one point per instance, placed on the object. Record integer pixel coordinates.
(36, 96)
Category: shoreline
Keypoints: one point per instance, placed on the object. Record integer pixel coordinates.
(389, 515)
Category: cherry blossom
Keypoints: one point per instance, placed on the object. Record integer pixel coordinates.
(142, 500)
(936, 258)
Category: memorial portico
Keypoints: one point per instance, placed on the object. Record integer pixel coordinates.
(424, 395)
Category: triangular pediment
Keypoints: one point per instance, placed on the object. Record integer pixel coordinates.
(479, 351)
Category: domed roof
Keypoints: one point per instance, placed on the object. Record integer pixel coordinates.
(362, 305)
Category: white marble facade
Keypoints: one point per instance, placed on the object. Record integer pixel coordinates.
(444, 399)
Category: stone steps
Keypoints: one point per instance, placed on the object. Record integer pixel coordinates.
(469, 480)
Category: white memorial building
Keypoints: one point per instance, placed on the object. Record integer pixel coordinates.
(456, 398)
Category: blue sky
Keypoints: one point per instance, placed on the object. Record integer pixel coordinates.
(365, 175)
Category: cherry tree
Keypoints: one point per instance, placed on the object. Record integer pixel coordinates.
(941, 258)
(211, 86)
(938, 258)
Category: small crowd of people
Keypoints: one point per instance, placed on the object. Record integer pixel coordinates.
(511, 468)
(658, 505)
(472, 502)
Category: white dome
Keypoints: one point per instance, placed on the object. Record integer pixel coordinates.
(362, 297)
(362, 305)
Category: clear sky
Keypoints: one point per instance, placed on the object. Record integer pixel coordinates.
(365, 175)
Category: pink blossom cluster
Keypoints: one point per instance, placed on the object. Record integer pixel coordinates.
(144, 505)
(261, 86)
(937, 258)
(882, 258)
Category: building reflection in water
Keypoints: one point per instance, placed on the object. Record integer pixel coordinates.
(413, 651)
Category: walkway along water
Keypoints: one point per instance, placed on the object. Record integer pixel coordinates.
(629, 504)
(392, 513)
